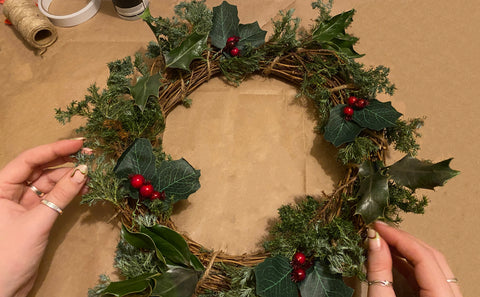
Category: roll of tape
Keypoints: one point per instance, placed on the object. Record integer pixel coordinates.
(73, 19)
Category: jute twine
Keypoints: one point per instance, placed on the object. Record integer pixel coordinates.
(35, 28)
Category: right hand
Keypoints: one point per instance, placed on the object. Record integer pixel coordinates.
(425, 268)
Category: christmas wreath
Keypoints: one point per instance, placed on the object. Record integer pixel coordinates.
(316, 242)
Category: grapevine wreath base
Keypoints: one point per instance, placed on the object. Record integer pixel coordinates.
(317, 241)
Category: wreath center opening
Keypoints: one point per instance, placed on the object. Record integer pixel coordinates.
(257, 150)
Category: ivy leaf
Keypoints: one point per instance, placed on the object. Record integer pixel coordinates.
(141, 241)
(138, 158)
(171, 244)
(225, 24)
(377, 115)
(338, 130)
(190, 49)
(178, 179)
(176, 282)
(413, 173)
(373, 193)
(320, 282)
(146, 87)
(134, 285)
(273, 278)
(251, 35)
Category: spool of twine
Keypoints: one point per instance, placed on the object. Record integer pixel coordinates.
(35, 28)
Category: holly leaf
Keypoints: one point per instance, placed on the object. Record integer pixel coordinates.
(190, 49)
(338, 130)
(251, 35)
(413, 173)
(320, 282)
(334, 27)
(171, 244)
(373, 193)
(130, 286)
(146, 87)
(225, 24)
(138, 158)
(273, 278)
(178, 179)
(176, 282)
(377, 115)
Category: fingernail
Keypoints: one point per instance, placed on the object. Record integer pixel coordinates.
(78, 138)
(87, 150)
(381, 223)
(79, 174)
(373, 239)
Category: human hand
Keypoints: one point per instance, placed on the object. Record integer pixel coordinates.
(25, 222)
(424, 267)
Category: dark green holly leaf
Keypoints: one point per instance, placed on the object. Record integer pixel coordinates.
(413, 173)
(320, 282)
(138, 158)
(338, 130)
(146, 87)
(377, 115)
(373, 193)
(138, 284)
(190, 49)
(178, 179)
(171, 244)
(225, 24)
(141, 241)
(251, 35)
(334, 27)
(273, 278)
(176, 282)
(343, 44)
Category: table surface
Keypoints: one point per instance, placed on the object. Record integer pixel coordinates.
(430, 47)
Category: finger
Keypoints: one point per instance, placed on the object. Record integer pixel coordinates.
(44, 184)
(404, 268)
(64, 191)
(429, 276)
(442, 262)
(20, 169)
(379, 266)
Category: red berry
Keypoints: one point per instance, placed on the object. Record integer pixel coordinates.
(146, 190)
(158, 195)
(361, 103)
(230, 44)
(299, 259)
(137, 181)
(237, 38)
(231, 39)
(352, 100)
(298, 275)
(348, 111)
(234, 51)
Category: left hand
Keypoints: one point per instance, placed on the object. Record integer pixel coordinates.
(25, 222)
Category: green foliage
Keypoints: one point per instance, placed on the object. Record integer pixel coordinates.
(322, 283)
(197, 14)
(237, 69)
(103, 283)
(324, 8)
(284, 38)
(370, 82)
(357, 151)
(403, 135)
(336, 243)
(190, 49)
(403, 199)
(273, 278)
(146, 86)
(133, 262)
(242, 282)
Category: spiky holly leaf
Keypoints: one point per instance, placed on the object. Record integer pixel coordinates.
(377, 115)
(146, 87)
(373, 192)
(273, 278)
(178, 179)
(320, 282)
(338, 130)
(141, 284)
(251, 35)
(414, 173)
(225, 24)
(176, 282)
(190, 49)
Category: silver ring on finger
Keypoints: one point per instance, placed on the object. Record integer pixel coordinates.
(52, 206)
(382, 283)
(39, 193)
(452, 280)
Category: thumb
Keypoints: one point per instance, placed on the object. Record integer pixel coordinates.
(379, 266)
(67, 188)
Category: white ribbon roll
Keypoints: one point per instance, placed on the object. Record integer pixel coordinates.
(71, 19)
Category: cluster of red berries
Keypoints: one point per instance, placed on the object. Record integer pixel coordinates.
(145, 188)
(231, 46)
(352, 104)
(300, 264)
